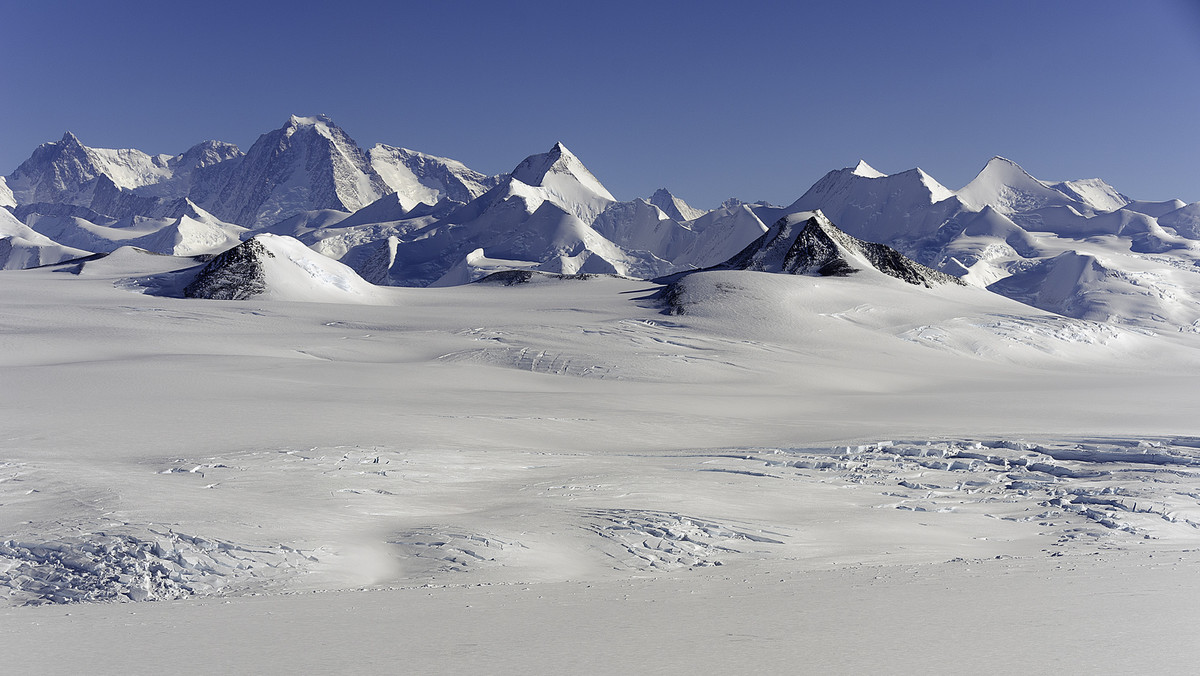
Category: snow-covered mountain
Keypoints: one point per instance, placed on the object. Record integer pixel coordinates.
(417, 177)
(406, 218)
(186, 230)
(881, 208)
(1008, 188)
(278, 268)
(308, 163)
(68, 172)
(674, 207)
(23, 247)
(807, 243)
(538, 216)
(565, 181)
(1007, 223)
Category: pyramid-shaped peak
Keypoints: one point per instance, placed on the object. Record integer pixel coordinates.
(866, 171)
(808, 243)
(549, 168)
(69, 139)
(673, 206)
(534, 168)
(186, 208)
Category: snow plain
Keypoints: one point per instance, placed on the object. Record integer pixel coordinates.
(794, 474)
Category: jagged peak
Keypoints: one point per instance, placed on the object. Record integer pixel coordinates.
(309, 121)
(69, 139)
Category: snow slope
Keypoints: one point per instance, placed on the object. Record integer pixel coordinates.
(674, 207)
(565, 181)
(880, 208)
(866, 462)
(22, 247)
(417, 177)
(278, 268)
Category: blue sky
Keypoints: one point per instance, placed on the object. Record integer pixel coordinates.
(710, 99)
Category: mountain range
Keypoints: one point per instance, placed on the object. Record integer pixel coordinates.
(398, 217)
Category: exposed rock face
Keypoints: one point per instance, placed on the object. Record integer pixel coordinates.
(807, 243)
(236, 274)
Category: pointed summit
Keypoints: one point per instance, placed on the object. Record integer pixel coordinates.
(559, 176)
(866, 171)
(307, 164)
(1010, 189)
(882, 208)
(549, 169)
(69, 140)
(60, 171)
(674, 207)
(807, 243)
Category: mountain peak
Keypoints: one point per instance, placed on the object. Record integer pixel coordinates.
(1003, 184)
(674, 207)
(548, 170)
(70, 140)
(808, 243)
(309, 121)
(866, 171)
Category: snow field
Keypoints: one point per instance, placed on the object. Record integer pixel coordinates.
(448, 453)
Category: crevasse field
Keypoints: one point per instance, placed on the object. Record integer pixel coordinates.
(794, 474)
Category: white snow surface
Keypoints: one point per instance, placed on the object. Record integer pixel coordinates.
(23, 247)
(295, 272)
(560, 174)
(674, 207)
(6, 194)
(560, 476)
(418, 177)
(879, 208)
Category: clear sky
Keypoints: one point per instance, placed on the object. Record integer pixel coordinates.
(711, 99)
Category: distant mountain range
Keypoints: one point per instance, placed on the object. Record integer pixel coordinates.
(398, 217)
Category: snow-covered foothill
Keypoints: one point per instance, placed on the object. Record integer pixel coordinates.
(477, 265)
(23, 247)
(277, 267)
(808, 243)
(185, 231)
